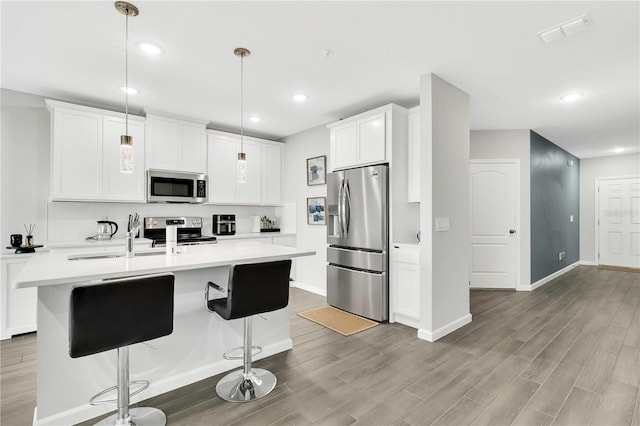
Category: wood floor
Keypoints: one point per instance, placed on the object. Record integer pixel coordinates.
(567, 353)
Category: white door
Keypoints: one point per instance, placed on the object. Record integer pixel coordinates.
(619, 222)
(494, 221)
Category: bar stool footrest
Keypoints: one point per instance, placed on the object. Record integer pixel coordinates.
(255, 350)
(95, 400)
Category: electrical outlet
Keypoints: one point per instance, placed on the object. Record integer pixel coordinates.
(561, 255)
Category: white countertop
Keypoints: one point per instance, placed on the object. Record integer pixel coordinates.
(55, 268)
(95, 243)
(248, 235)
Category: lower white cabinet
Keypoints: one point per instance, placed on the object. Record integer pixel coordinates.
(404, 285)
(18, 307)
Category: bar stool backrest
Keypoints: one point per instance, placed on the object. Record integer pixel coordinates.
(119, 313)
(257, 288)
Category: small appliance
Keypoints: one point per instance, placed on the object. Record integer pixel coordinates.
(224, 224)
(166, 186)
(188, 231)
(106, 229)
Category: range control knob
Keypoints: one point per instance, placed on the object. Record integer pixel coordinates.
(155, 222)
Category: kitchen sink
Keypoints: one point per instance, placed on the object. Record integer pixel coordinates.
(111, 255)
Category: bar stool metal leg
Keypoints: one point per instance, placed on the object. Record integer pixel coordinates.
(247, 384)
(141, 416)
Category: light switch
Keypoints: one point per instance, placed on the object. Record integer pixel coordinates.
(570, 218)
(442, 224)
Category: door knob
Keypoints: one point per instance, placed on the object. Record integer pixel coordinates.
(512, 231)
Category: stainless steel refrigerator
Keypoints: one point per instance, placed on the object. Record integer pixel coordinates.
(358, 234)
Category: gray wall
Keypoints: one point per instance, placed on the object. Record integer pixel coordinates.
(311, 271)
(555, 195)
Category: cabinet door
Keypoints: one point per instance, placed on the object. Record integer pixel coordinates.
(19, 314)
(222, 158)
(118, 186)
(371, 139)
(344, 146)
(272, 174)
(163, 144)
(249, 192)
(194, 147)
(413, 171)
(76, 155)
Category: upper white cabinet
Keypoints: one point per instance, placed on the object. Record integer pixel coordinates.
(413, 166)
(175, 144)
(264, 170)
(85, 154)
(363, 139)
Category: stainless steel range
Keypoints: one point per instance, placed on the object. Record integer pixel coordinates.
(189, 230)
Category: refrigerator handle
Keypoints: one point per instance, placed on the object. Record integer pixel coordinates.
(347, 207)
(341, 208)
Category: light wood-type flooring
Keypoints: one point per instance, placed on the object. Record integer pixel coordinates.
(567, 353)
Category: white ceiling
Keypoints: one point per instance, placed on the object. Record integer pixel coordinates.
(75, 51)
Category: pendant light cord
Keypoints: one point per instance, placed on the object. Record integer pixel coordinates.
(126, 75)
(242, 103)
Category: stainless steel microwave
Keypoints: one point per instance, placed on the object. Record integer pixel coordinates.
(166, 186)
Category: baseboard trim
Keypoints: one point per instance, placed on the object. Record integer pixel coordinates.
(86, 411)
(548, 278)
(432, 336)
(309, 288)
(588, 263)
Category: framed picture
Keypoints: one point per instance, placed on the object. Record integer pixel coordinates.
(315, 211)
(317, 170)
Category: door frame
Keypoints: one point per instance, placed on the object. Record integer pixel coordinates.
(518, 266)
(596, 221)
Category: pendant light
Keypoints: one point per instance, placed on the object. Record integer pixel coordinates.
(242, 156)
(126, 141)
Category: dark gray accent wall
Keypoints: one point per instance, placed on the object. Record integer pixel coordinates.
(555, 196)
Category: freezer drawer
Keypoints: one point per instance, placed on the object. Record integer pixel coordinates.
(370, 260)
(358, 292)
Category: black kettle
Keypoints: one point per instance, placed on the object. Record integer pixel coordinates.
(106, 229)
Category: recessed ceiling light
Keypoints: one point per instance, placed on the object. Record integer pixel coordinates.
(299, 97)
(150, 48)
(618, 149)
(254, 119)
(129, 90)
(571, 97)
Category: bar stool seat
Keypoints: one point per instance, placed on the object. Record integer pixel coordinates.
(113, 315)
(252, 289)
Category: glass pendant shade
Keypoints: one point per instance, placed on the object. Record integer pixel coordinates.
(242, 168)
(126, 154)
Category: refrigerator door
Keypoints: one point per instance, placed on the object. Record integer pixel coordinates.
(362, 293)
(357, 208)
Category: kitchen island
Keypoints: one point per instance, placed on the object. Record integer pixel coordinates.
(192, 352)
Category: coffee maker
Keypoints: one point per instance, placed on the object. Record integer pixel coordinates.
(224, 224)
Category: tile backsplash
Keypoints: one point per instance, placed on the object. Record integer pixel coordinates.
(74, 221)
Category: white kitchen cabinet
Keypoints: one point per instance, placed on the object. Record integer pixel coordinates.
(272, 166)
(413, 166)
(362, 139)
(264, 170)
(404, 285)
(175, 144)
(18, 307)
(85, 154)
(118, 186)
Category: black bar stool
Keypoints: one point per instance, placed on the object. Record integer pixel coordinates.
(252, 289)
(115, 314)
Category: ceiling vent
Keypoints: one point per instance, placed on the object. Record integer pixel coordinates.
(568, 28)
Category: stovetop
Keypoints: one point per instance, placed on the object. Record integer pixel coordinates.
(189, 230)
